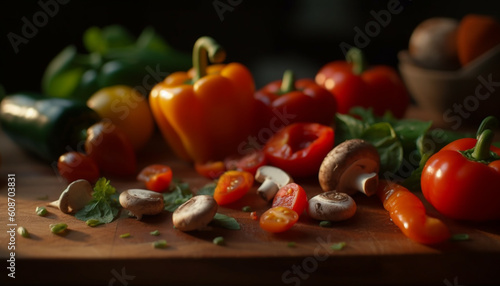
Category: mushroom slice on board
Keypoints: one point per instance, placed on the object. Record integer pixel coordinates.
(195, 213)
(75, 197)
(272, 180)
(350, 167)
(141, 202)
(331, 206)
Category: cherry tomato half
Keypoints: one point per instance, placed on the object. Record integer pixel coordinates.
(73, 166)
(248, 163)
(299, 148)
(278, 219)
(156, 177)
(232, 186)
(211, 170)
(291, 196)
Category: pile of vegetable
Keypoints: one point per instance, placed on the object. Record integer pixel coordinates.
(343, 128)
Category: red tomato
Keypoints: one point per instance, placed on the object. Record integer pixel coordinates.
(300, 148)
(111, 149)
(156, 177)
(211, 170)
(232, 186)
(75, 165)
(248, 163)
(278, 219)
(291, 196)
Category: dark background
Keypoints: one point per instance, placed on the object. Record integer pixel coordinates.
(267, 36)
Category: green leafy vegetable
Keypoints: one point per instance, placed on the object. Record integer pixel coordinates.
(155, 233)
(180, 194)
(404, 145)
(224, 221)
(207, 189)
(104, 206)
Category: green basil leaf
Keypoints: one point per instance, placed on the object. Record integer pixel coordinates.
(181, 193)
(98, 210)
(388, 145)
(347, 127)
(207, 189)
(224, 221)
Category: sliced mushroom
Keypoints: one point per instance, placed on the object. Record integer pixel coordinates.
(195, 214)
(272, 180)
(141, 202)
(331, 206)
(350, 167)
(75, 197)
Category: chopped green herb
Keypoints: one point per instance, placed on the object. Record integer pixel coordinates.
(219, 240)
(23, 231)
(460, 237)
(93, 222)
(58, 227)
(160, 244)
(325, 223)
(338, 246)
(180, 194)
(155, 233)
(247, 209)
(125, 235)
(291, 244)
(225, 221)
(41, 211)
(104, 205)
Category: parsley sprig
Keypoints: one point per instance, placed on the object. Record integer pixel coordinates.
(104, 206)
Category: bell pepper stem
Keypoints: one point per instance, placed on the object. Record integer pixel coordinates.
(482, 149)
(356, 57)
(288, 82)
(206, 48)
(490, 122)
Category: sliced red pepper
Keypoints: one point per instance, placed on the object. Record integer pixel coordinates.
(156, 177)
(408, 213)
(300, 148)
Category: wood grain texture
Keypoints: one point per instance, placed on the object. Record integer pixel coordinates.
(377, 253)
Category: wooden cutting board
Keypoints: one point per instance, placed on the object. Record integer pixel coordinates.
(376, 252)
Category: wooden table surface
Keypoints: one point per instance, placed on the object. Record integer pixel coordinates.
(376, 252)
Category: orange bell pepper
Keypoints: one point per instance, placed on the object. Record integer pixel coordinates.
(207, 112)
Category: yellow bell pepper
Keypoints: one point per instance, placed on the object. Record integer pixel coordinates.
(206, 113)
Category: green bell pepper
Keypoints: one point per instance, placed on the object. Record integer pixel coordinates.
(114, 58)
(47, 127)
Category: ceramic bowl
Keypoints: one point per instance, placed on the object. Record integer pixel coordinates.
(465, 95)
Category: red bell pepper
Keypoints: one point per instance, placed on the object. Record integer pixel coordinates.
(462, 180)
(303, 100)
(299, 148)
(352, 84)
